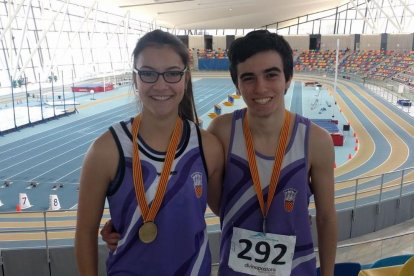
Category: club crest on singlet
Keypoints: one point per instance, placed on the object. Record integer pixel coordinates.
(198, 183)
(290, 196)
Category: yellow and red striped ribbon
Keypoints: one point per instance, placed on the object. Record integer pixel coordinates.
(149, 213)
(279, 155)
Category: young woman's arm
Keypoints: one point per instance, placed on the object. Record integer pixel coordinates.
(98, 170)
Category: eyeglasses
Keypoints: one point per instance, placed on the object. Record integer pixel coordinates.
(149, 76)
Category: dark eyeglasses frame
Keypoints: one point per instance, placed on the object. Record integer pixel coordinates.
(139, 72)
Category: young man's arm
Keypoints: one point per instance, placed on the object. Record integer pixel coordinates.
(322, 158)
(220, 127)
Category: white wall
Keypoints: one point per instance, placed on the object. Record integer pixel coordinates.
(400, 42)
(196, 42)
(298, 42)
(328, 42)
(219, 42)
(370, 42)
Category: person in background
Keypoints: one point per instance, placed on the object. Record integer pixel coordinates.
(275, 161)
(156, 171)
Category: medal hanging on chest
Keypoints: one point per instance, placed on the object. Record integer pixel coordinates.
(277, 166)
(148, 231)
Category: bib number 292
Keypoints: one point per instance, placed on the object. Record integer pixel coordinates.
(254, 253)
(262, 248)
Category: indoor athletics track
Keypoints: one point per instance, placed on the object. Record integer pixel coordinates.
(385, 137)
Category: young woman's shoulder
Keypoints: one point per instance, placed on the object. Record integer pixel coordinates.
(103, 154)
(105, 144)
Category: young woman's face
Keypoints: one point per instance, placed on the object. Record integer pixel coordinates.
(160, 97)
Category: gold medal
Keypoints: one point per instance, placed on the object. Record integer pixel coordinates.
(148, 232)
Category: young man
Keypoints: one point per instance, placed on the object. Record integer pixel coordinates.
(275, 161)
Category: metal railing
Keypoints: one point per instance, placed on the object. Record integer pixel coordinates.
(56, 228)
(374, 189)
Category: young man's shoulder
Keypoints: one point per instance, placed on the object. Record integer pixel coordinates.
(318, 131)
(222, 121)
(319, 137)
(221, 127)
(208, 137)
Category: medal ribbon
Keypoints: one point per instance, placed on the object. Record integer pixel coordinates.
(149, 213)
(279, 155)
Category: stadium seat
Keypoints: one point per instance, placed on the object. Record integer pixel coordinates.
(382, 271)
(407, 268)
(389, 261)
(344, 269)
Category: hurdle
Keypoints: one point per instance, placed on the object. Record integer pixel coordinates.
(230, 101)
(6, 184)
(32, 185)
(217, 111)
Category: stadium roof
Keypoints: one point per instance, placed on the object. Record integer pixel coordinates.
(223, 14)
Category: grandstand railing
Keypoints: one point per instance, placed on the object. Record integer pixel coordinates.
(368, 251)
(367, 204)
(56, 228)
(374, 189)
(389, 89)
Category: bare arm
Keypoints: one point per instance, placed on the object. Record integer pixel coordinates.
(220, 127)
(98, 169)
(322, 158)
(213, 153)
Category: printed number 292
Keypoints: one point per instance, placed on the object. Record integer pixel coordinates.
(262, 248)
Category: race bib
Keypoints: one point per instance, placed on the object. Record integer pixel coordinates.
(255, 253)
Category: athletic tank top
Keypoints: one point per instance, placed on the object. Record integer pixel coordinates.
(288, 214)
(181, 246)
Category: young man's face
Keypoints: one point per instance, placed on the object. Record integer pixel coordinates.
(262, 83)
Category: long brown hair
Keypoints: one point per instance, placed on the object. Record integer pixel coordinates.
(186, 108)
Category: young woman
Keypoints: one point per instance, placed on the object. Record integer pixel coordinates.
(155, 172)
